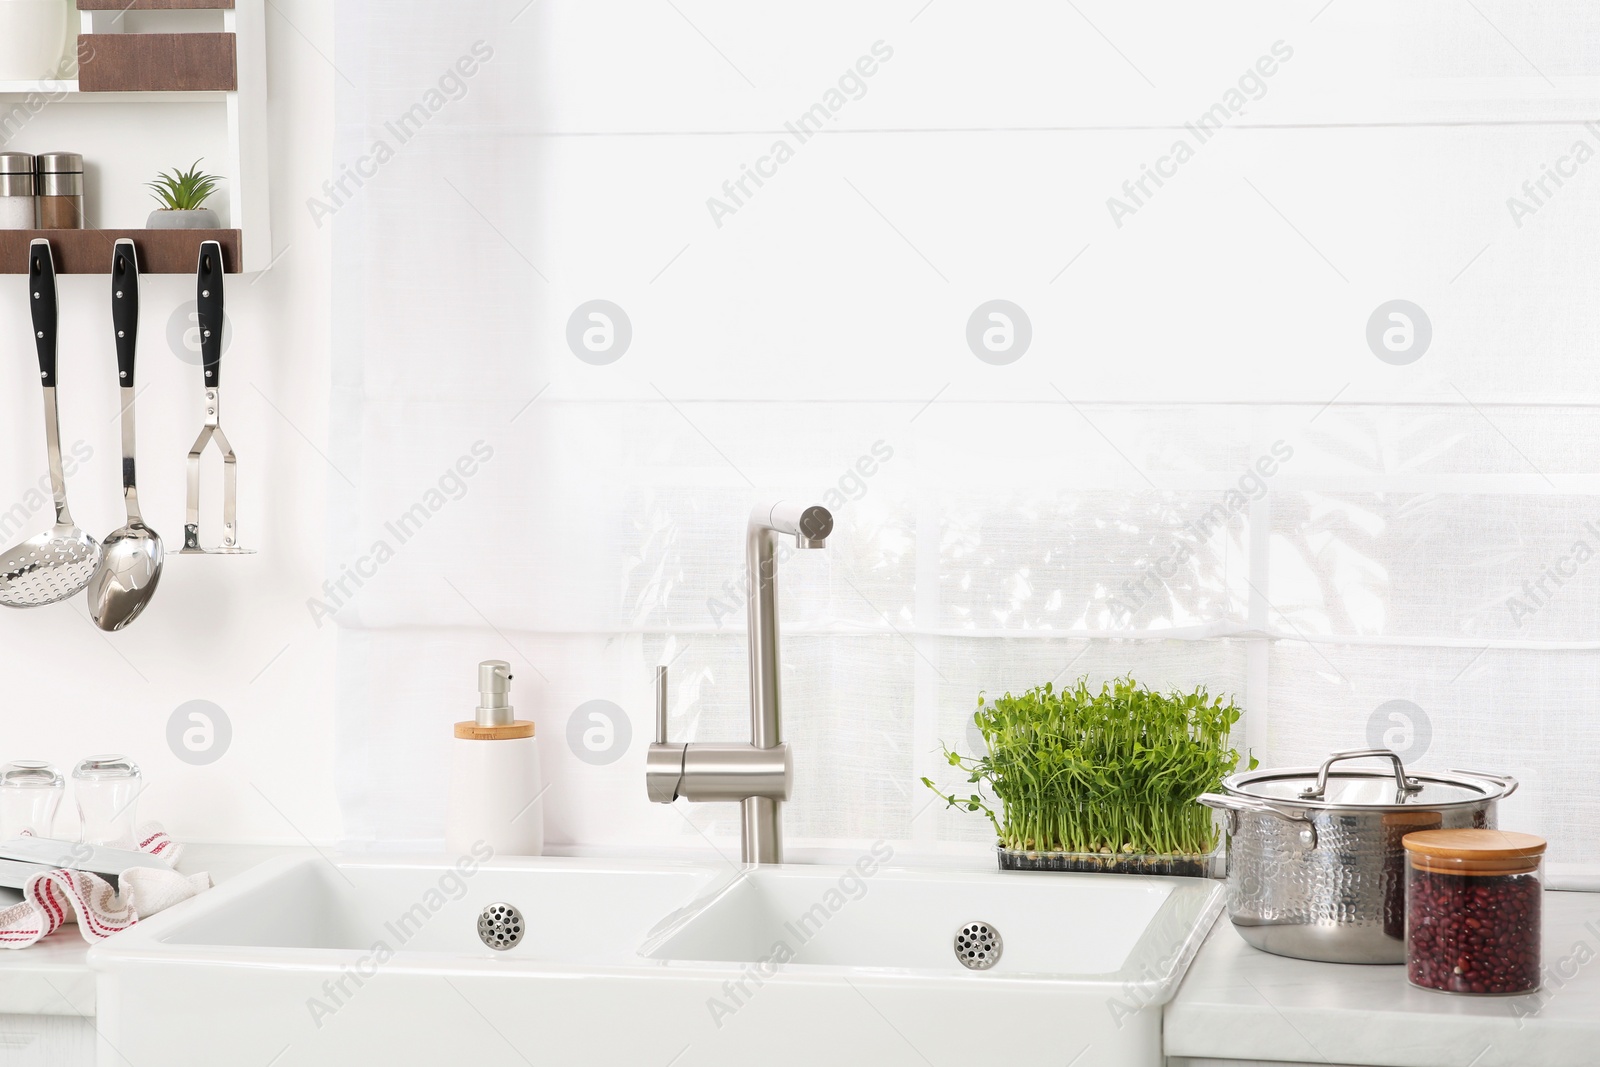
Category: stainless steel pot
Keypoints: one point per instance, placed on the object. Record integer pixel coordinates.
(1315, 867)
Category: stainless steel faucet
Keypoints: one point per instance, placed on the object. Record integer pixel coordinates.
(757, 775)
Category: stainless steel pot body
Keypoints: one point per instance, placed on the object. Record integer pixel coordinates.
(1324, 879)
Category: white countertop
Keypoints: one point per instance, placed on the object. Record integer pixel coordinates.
(1235, 1003)
(52, 978)
(1238, 1002)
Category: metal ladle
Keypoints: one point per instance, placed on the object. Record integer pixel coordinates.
(130, 566)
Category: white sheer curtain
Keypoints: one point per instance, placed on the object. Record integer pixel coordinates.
(1199, 471)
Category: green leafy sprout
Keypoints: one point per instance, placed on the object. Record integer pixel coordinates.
(184, 190)
(1113, 771)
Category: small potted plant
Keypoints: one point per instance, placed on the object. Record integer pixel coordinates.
(183, 195)
(1101, 780)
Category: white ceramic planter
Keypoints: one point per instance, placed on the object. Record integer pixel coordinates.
(31, 37)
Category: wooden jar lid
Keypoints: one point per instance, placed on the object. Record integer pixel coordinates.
(1474, 851)
(471, 731)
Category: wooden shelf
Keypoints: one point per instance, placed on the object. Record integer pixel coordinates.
(157, 62)
(225, 73)
(155, 5)
(89, 251)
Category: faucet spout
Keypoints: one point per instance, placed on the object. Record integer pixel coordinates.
(758, 774)
(810, 526)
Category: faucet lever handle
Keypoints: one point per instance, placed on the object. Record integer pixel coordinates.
(661, 704)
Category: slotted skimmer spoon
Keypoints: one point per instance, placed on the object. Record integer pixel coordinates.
(130, 566)
(55, 565)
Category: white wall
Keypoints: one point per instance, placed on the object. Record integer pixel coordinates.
(771, 351)
(233, 631)
(991, 141)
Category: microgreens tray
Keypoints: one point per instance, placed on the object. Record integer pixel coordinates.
(1207, 865)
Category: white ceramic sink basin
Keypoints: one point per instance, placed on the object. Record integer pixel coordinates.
(576, 910)
(906, 920)
(312, 961)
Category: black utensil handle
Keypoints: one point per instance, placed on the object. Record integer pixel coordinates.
(125, 307)
(208, 301)
(42, 300)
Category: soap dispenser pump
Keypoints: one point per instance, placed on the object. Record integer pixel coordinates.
(494, 775)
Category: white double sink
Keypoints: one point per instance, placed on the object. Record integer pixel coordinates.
(307, 960)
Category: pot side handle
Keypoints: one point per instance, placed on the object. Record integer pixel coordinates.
(1234, 805)
(1505, 780)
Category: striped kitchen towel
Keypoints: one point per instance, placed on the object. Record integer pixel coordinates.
(51, 899)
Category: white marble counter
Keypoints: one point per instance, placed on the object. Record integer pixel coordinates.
(1239, 1003)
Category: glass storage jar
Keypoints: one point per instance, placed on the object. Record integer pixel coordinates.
(1473, 910)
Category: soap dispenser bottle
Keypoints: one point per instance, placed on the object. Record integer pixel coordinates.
(494, 775)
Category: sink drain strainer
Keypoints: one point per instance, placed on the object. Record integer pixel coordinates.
(500, 926)
(978, 946)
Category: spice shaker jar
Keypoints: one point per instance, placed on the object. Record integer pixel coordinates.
(16, 191)
(1473, 910)
(60, 191)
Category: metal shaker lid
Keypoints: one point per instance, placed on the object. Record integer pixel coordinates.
(16, 174)
(1391, 787)
(60, 163)
(60, 174)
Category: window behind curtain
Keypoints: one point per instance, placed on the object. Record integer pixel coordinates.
(1200, 470)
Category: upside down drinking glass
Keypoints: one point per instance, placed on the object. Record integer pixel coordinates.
(30, 793)
(107, 790)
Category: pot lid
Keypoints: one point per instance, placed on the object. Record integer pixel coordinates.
(1369, 787)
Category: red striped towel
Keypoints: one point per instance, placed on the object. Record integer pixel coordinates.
(51, 899)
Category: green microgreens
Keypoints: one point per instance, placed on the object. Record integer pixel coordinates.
(1111, 771)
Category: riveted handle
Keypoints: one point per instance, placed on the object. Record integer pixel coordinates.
(1232, 806)
(1405, 785)
(125, 307)
(43, 302)
(209, 304)
(1508, 783)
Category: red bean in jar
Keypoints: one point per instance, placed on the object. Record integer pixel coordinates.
(1472, 910)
